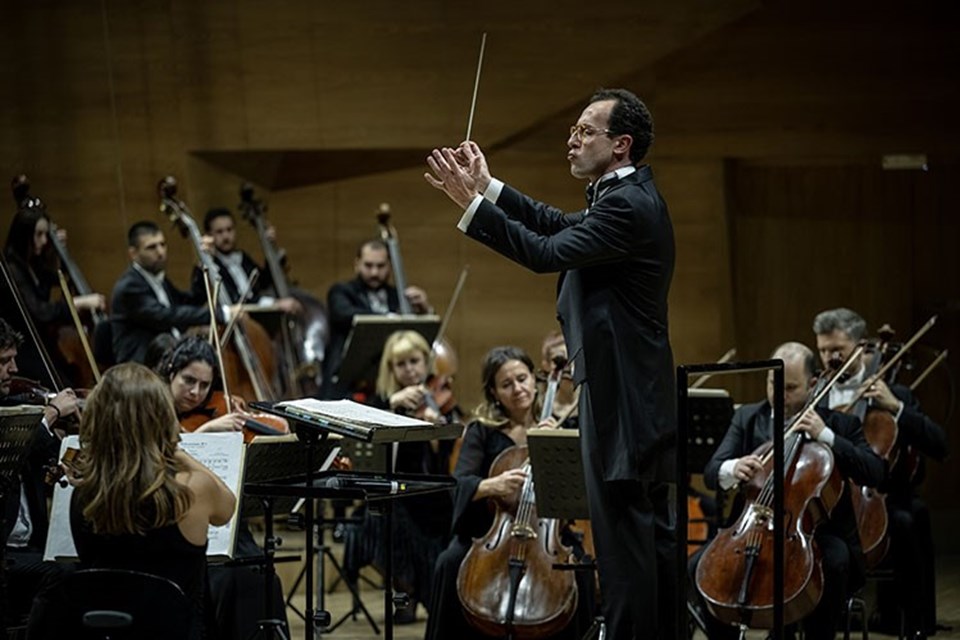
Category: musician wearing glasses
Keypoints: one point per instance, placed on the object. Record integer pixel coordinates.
(911, 555)
(734, 463)
(615, 260)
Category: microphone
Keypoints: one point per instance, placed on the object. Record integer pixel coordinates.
(379, 486)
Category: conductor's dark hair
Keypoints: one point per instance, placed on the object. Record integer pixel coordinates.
(142, 228)
(9, 337)
(213, 214)
(629, 116)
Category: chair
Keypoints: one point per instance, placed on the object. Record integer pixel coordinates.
(114, 604)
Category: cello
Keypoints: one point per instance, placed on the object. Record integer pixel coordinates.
(880, 430)
(305, 337)
(249, 339)
(506, 583)
(735, 573)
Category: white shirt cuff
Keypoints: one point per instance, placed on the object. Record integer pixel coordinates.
(726, 479)
(896, 416)
(467, 217)
(827, 436)
(491, 193)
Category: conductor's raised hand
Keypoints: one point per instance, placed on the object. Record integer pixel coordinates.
(447, 175)
(471, 158)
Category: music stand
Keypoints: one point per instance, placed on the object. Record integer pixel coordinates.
(17, 425)
(361, 351)
(710, 412)
(561, 491)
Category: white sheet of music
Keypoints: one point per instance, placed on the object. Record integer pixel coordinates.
(222, 453)
(353, 412)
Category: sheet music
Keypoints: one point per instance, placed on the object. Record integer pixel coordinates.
(352, 412)
(222, 453)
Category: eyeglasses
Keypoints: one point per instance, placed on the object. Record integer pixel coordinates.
(583, 131)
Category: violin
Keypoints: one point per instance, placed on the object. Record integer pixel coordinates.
(735, 573)
(256, 424)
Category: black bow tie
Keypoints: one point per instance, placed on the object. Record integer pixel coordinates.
(596, 189)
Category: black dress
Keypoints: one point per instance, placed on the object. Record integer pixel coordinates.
(472, 519)
(163, 552)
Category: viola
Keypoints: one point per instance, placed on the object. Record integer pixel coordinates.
(216, 406)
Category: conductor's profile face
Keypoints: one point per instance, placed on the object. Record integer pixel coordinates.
(373, 267)
(590, 147)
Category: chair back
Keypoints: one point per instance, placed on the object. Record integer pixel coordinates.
(118, 604)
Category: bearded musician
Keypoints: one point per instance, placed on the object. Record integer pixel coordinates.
(911, 553)
(734, 462)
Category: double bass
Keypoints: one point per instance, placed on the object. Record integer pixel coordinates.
(252, 377)
(507, 584)
(305, 336)
(735, 573)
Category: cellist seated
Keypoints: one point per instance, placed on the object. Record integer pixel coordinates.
(734, 462)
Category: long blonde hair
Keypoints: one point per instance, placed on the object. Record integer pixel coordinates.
(128, 437)
(398, 345)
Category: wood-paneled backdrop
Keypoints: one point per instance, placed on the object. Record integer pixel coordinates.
(771, 124)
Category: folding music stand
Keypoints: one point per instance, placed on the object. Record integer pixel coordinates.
(561, 491)
(361, 351)
(17, 425)
(312, 428)
(709, 412)
(558, 474)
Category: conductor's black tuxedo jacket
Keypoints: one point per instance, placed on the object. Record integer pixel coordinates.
(615, 262)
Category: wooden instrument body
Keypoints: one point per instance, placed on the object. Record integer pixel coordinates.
(737, 582)
(546, 599)
(216, 406)
(869, 505)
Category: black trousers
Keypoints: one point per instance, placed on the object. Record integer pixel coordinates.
(635, 536)
(911, 556)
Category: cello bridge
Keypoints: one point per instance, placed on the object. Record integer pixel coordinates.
(523, 531)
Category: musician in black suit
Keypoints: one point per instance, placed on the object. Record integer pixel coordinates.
(145, 304)
(911, 554)
(616, 261)
(734, 462)
(368, 293)
(235, 265)
(24, 508)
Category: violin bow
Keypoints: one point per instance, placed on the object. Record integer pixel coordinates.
(812, 404)
(476, 85)
(68, 297)
(448, 313)
(886, 367)
(214, 338)
(926, 372)
(254, 275)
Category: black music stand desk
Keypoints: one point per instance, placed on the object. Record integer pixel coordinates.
(361, 351)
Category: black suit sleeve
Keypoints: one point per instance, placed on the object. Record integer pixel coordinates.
(141, 307)
(733, 445)
(342, 305)
(916, 429)
(854, 457)
(536, 216)
(607, 235)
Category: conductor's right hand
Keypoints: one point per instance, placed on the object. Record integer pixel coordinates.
(506, 484)
(471, 158)
(747, 467)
